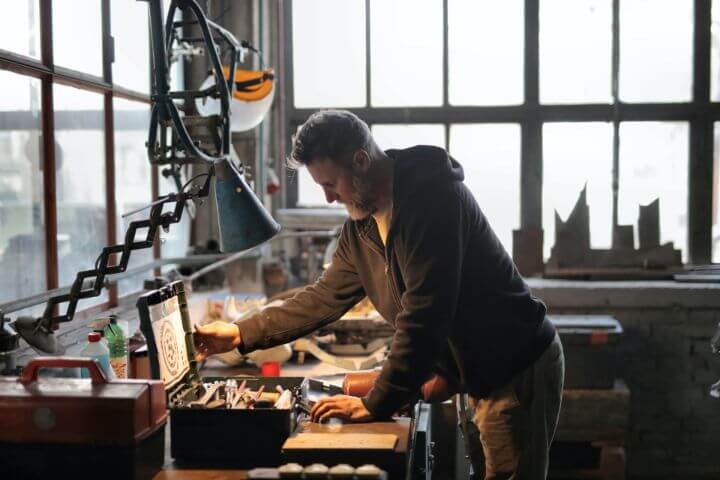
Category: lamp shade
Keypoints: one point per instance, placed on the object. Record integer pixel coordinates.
(38, 335)
(243, 221)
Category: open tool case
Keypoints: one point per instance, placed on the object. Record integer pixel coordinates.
(198, 433)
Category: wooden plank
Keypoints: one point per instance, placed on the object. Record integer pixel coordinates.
(341, 441)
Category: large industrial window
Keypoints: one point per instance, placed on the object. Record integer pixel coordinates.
(22, 228)
(73, 127)
(538, 99)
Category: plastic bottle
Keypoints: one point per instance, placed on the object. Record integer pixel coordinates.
(95, 349)
(118, 348)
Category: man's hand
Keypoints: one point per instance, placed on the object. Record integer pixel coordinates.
(340, 406)
(215, 337)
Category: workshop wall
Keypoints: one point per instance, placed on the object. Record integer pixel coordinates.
(665, 358)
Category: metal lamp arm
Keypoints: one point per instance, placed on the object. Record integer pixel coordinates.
(102, 265)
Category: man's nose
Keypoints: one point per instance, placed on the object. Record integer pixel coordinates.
(330, 196)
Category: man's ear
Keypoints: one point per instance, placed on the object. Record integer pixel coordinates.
(361, 161)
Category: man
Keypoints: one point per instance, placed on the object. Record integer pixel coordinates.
(419, 247)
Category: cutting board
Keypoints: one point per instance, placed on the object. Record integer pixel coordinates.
(341, 441)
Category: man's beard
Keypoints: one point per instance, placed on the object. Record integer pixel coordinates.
(361, 204)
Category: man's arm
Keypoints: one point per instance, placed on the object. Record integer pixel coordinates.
(430, 244)
(334, 293)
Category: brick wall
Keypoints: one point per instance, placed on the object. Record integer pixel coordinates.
(665, 358)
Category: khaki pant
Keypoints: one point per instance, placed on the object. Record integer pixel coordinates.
(517, 422)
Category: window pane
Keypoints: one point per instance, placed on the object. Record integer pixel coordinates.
(80, 163)
(577, 71)
(329, 53)
(654, 164)
(485, 44)
(310, 194)
(176, 241)
(406, 55)
(20, 27)
(404, 136)
(490, 156)
(131, 68)
(575, 155)
(22, 228)
(133, 180)
(77, 35)
(716, 196)
(656, 50)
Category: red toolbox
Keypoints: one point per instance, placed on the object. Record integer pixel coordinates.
(80, 428)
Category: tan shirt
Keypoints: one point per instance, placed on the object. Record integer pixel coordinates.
(382, 219)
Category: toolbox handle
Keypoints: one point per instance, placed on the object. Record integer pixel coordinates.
(31, 370)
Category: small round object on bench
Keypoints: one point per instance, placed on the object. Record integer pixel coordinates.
(368, 472)
(342, 470)
(290, 470)
(316, 470)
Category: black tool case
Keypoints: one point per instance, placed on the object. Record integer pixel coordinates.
(589, 344)
(241, 437)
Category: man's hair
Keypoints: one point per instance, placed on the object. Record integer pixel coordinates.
(329, 133)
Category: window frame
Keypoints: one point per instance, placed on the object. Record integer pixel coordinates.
(50, 74)
(700, 114)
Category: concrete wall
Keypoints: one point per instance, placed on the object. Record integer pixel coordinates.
(665, 358)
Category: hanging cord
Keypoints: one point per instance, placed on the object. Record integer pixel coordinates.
(249, 46)
(471, 435)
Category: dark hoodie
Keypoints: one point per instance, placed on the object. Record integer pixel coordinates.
(442, 279)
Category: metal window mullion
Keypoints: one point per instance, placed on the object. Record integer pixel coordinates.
(48, 149)
(107, 42)
(49, 184)
(447, 126)
(22, 65)
(288, 180)
(446, 56)
(109, 129)
(700, 192)
(520, 113)
(531, 140)
(615, 86)
(110, 206)
(368, 57)
(280, 126)
(46, 41)
(701, 145)
(120, 92)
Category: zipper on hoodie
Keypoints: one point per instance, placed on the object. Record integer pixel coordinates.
(383, 251)
(391, 280)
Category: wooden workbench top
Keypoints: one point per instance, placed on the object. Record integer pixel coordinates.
(395, 461)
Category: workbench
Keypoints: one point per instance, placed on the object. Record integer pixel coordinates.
(395, 462)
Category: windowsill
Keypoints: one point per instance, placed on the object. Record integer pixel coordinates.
(625, 294)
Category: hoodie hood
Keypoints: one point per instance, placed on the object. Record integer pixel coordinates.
(418, 166)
